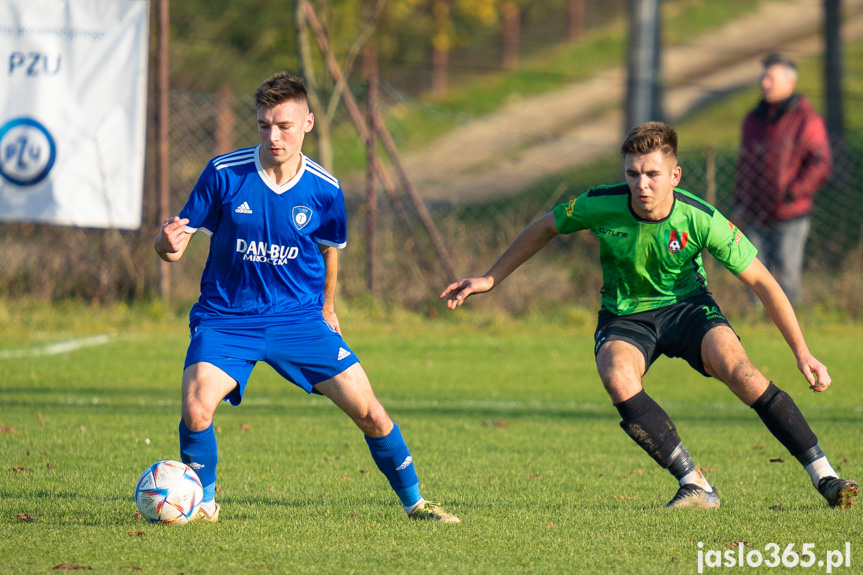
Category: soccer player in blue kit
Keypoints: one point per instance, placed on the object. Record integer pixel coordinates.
(276, 221)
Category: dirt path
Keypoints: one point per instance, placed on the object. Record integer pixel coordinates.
(534, 139)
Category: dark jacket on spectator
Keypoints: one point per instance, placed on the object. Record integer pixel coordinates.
(784, 159)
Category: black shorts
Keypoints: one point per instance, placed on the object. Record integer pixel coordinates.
(676, 330)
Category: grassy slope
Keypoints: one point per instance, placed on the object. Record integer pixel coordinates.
(417, 123)
(552, 486)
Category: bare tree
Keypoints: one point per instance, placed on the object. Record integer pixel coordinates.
(324, 105)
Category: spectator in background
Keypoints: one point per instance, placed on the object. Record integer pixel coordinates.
(784, 158)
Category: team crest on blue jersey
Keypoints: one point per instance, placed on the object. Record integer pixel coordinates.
(301, 216)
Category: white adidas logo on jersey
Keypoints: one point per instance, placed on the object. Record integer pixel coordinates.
(343, 353)
(244, 208)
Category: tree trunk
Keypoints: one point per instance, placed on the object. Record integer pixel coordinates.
(322, 131)
(576, 19)
(511, 31)
(440, 47)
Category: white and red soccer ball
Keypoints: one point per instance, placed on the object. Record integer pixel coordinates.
(169, 492)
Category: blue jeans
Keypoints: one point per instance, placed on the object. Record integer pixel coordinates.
(780, 247)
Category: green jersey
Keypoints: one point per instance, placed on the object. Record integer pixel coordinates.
(648, 265)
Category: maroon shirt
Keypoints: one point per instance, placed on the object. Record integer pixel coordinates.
(784, 159)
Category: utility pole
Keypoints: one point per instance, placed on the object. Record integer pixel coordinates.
(835, 116)
(644, 77)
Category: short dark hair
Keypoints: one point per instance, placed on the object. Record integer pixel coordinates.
(777, 59)
(650, 137)
(279, 88)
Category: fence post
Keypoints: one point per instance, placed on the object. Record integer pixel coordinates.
(162, 166)
(710, 176)
(370, 61)
(226, 120)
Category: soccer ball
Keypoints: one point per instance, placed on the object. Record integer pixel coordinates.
(169, 492)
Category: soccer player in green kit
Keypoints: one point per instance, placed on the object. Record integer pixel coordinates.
(655, 301)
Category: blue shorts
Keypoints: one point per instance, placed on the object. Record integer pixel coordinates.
(305, 354)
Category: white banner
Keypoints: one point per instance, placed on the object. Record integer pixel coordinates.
(73, 100)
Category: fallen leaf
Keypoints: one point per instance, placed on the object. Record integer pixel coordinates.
(218, 489)
(777, 460)
(706, 469)
(82, 429)
(137, 533)
(777, 506)
(354, 514)
(26, 518)
(345, 478)
(364, 471)
(549, 524)
(244, 427)
(4, 429)
(495, 423)
(759, 446)
(70, 567)
(41, 421)
(843, 459)
(271, 488)
(622, 498)
(21, 470)
(347, 446)
(535, 475)
(735, 544)
(719, 539)
(636, 472)
(138, 515)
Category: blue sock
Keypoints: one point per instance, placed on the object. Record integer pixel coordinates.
(198, 450)
(393, 458)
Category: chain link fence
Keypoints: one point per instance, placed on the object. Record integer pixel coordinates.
(102, 266)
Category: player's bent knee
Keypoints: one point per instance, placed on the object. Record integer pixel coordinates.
(620, 386)
(375, 422)
(196, 417)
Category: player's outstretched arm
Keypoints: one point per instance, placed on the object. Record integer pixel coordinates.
(534, 237)
(173, 239)
(759, 279)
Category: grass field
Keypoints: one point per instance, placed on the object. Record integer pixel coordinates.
(506, 419)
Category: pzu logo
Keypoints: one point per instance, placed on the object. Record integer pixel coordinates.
(27, 152)
(33, 64)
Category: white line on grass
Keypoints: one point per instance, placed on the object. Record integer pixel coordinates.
(55, 348)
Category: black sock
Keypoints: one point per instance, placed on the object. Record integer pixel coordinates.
(651, 428)
(783, 418)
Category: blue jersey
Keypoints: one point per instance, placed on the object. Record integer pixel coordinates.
(264, 258)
